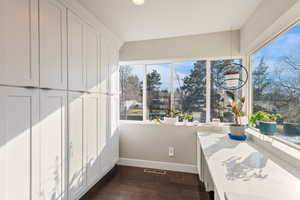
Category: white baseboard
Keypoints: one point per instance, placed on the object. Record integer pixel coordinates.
(158, 165)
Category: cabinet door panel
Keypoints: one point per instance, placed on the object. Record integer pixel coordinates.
(114, 72)
(106, 155)
(53, 45)
(52, 141)
(105, 58)
(92, 58)
(91, 129)
(76, 53)
(77, 152)
(18, 124)
(19, 42)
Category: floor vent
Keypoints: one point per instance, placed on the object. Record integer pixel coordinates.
(155, 171)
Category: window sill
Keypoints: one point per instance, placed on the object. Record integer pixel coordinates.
(285, 150)
(189, 124)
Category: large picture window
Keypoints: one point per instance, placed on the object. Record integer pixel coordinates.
(190, 88)
(219, 101)
(158, 90)
(151, 91)
(131, 94)
(276, 82)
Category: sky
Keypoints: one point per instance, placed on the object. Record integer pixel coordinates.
(286, 44)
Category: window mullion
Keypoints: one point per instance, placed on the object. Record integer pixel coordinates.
(145, 94)
(208, 90)
(172, 86)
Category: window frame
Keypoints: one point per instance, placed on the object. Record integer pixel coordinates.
(247, 59)
(171, 63)
(249, 90)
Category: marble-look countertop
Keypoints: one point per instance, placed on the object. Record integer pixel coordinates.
(245, 171)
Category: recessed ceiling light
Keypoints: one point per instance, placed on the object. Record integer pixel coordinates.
(138, 2)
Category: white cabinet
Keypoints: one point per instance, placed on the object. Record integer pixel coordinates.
(114, 72)
(53, 45)
(114, 127)
(53, 134)
(105, 150)
(18, 133)
(77, 144)
(104, 69)
(92, 59)
(92, 134)
(76, 66)
(19, 61)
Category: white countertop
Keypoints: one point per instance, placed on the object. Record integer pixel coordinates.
(245, 171)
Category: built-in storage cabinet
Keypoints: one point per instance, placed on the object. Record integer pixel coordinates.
(83, 56)
(18, 144)
(92, 135)
(58, 136)
(76, 76)
(19, 43)
(53, 45)
(77, 146)
(53, 143)
(104, 69)
(92, 58)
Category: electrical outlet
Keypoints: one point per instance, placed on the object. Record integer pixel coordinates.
(171, 151)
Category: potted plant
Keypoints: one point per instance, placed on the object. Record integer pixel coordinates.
(236, 105)
(171, 116)
(268, 124)
(254, 119)
(188, 118)
(291, 128)
(231, 78)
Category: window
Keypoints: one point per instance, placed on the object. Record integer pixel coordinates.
(190, 88)
(276, 82)
(219, 101)
(158, 90)
(178, 87)
(131, 94)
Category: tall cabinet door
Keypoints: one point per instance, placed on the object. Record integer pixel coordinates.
(53, 45)
(53, 132)
(92, 59)
(77, 151)
(92, 130)
(104, 145)
(105, 58)
(19, 42)
(18, 133)
(76, 61)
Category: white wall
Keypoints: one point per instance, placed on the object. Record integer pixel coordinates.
(269, 19)
(148, 141)
(182, 48)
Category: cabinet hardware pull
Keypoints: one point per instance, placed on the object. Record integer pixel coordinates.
(46, 88)
(30, 87)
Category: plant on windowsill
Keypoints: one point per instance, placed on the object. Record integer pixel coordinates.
(171, 116)
(267, 122)
(188, 118)
(236, 105)
(291, 127)
(156, 119)
(254, 119)
(268, 126)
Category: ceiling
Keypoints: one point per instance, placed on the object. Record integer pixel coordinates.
(170, 18)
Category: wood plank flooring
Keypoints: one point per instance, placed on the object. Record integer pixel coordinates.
(131, 183)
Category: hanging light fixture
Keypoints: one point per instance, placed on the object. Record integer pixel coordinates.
(138, 2)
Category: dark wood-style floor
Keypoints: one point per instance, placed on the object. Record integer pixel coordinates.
(130, 183)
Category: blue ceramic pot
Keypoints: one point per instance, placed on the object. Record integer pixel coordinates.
(268, 128)
(291, 129)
